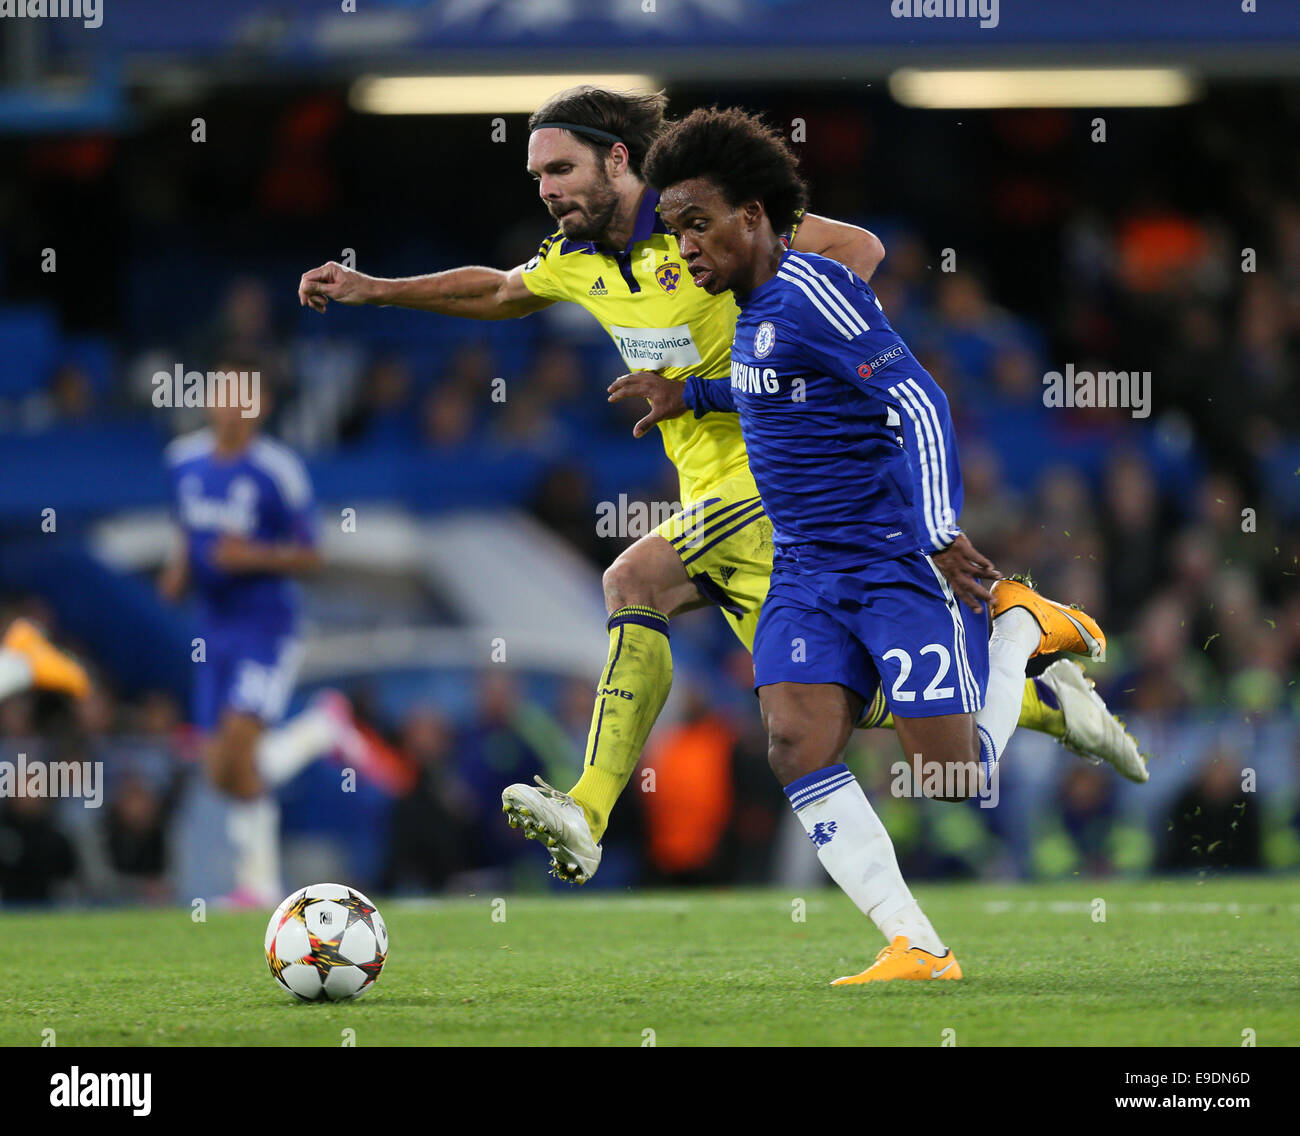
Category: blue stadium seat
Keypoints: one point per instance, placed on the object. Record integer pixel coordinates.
(1281, 472)
(29, 337)
(94, 355)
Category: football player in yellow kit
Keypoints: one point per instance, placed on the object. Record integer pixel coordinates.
(613, 255)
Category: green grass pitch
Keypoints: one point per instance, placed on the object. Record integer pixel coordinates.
(1174, 963)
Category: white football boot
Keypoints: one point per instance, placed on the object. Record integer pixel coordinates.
(1091, 730)
(546, 814)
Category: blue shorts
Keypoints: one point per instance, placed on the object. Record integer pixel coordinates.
(895, 620)
(244, 674)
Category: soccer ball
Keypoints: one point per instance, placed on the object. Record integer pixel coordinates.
(326, 942)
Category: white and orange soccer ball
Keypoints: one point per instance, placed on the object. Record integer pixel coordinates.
(326, 942)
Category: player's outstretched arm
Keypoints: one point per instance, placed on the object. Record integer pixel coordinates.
(472, 292)
(856, 248)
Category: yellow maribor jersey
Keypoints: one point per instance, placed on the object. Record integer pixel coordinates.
(659, 321)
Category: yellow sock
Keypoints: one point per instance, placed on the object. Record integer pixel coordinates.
(877, 715)
(1039, 710)
(633, 688)
(1036, 712)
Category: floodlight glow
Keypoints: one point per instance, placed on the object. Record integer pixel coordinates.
(1043, 87)
(474, 94)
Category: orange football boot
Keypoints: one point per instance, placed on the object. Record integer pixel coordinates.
(898, 960)
(1063, 628)
(52, 669)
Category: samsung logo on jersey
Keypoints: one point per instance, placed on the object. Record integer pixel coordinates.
(649, 348)
(754, 380)
(866, 370)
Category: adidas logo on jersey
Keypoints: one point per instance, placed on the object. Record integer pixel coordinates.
(726, 572)
(598, 288)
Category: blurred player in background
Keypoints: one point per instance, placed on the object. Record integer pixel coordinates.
(853, 451)
(613, 255)
(244, 506)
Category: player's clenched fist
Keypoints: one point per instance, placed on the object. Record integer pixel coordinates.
(664, 395)
(333, 282)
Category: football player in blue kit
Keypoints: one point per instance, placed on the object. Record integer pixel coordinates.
(244, 506)
(831, 401)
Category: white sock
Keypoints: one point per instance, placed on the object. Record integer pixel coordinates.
(855, 849)
(254, 830)
(15, 672)
(1015, 637)
(284, 751)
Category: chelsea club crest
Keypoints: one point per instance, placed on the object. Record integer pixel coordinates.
(764, 339)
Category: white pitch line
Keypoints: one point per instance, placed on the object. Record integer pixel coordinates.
(1146, 907)
(646, 906)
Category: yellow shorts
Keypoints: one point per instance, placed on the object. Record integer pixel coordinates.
(725, 543)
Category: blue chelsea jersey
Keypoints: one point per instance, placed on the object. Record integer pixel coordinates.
(262, 494)
(812, 366)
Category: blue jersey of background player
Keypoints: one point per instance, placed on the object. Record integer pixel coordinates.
(245, 510)
(244, 506)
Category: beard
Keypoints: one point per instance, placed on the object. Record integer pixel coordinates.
(590, 221)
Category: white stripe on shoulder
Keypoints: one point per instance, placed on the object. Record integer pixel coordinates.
(830, 290)
(189, 446)
(285, 469)
(830, 298)
(831, 318)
